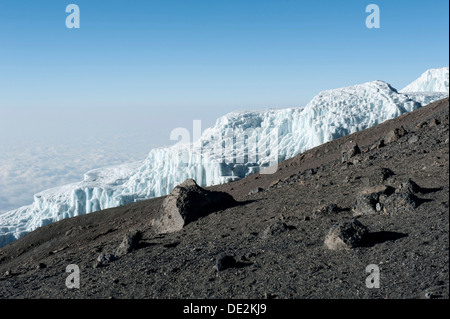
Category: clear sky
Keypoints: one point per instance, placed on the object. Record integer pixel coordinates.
(148, 66)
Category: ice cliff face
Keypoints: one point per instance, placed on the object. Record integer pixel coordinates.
(433, 80)
(239, 144)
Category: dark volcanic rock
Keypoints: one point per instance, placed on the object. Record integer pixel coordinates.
(186, 203)
(408, 187)
(394, 135)
(366, 204)
(129, 243)
(400, 203)
(104, 259)
(370, 200)
(377, 177)
(413, 139)
(349, 150)
(346, 235)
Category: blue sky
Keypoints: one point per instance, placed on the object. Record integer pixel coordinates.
(146, 67)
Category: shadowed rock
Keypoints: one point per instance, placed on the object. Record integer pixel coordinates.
(346, 235)
(394, 135)
(408, 187)
(186, 203)
(256, 191)
(377, 177)
(366, 204)
(370, 200)
(104, 259)
(129, 243)
(349, 150)
(399, 203)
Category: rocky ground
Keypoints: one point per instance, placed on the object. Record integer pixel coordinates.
(377, 197)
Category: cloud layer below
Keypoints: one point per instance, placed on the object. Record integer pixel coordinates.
(27, 168)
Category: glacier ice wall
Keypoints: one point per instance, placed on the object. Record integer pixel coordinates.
(239, 144)
(432, 80)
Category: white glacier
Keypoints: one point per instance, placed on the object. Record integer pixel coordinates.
(432, 80)
(235, 147)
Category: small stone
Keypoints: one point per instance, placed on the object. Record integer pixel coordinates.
(256, 191)
(274, 229)
(129, 243)
(413, 139)
(224, 261)
(409, 187)
(349, 150)
(377, 177)
(309, 173)
(346, 235)
(41, 266)
(394, 135)
(104, 259)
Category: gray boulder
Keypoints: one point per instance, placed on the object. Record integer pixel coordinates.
(377, 177)
(129, 243)
(400, 203)
(408, 187)
(366, 204)
(394, 135)
(349, 150)
(346, 235)
(370, 200)
(186, 203)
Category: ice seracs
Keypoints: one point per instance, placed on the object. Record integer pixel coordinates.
(238, 145)
(431, 86)
(432, 80)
